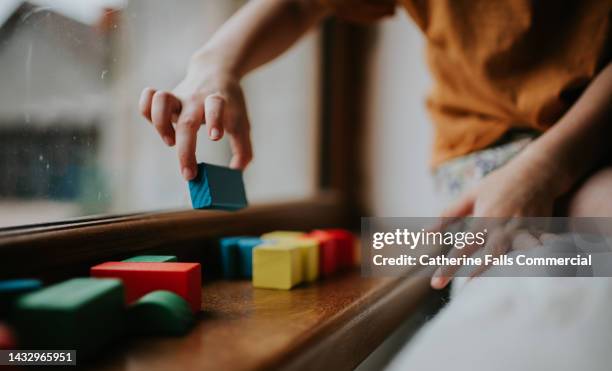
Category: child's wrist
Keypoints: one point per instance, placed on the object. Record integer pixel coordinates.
(212, 62)
(550, 171)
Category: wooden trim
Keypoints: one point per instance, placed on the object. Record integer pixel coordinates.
(346, 47)
(58, 251)
(332, 324)
(346, 341)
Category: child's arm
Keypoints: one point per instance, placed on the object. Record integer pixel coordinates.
(580, 141)
(550, 166)
(547, 169)
(211, 91)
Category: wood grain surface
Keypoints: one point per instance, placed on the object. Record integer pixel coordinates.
(333, 324)
(56, 251)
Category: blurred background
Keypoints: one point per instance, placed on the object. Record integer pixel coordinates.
(72, 142)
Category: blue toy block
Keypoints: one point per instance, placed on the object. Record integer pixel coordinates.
(12, 289)
(217, 187)
(228, 250)
(245, 255)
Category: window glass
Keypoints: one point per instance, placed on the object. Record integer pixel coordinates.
(72, 142)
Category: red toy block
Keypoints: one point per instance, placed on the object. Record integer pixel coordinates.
(7, 340)
(346, 243)
(140, 278)
(329, 253)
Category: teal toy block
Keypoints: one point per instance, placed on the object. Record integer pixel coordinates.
(85, 314)
(11, 290)
(160, 313)
(245, 255)
(151, 259)
(228, 252)
(217, 187)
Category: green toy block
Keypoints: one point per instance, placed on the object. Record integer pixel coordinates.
(217, 187)
(160, 313)
(85, 314)
(152, 259)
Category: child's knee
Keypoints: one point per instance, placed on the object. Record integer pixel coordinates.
(593, 196)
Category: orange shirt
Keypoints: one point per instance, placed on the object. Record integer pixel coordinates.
(502, 64)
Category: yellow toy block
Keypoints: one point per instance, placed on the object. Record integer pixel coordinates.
(308, 246)
(310, 257)
(277, 266)
(282, 235)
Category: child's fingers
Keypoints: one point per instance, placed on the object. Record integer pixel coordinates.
(459, 210)
(144, 104)
(454, 213)
(443, 274)
(499, 242)
(242, 150)
(524, 240)
(462, 208)
(189, 122)
(163, 107)
(214, 107)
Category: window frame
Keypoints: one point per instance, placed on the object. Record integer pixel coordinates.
(59, 249)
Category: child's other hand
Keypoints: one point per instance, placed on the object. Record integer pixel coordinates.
(207, 95)
(519, 189)
(525, 187)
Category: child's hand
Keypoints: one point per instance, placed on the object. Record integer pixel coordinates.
(525, 187)
(519, 189)
(207, 95)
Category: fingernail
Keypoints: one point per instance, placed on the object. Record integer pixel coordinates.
(436, 282)
(214, 134)
(168, 141)
(188, 173)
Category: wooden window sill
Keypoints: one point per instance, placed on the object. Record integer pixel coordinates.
(333, 324)
(55, 251)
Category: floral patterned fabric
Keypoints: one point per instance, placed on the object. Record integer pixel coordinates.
(454, 177)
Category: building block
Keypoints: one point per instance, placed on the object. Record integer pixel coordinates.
(217, 187)
(10, 290)
(160, 313)
(152, 259)
(346, 243)
(245, 255)
(282, 235)
(309, 248)
(277, 266)
(228, 251)
(7, 339)
(85, 314)
(139, 279)
(329, 253)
